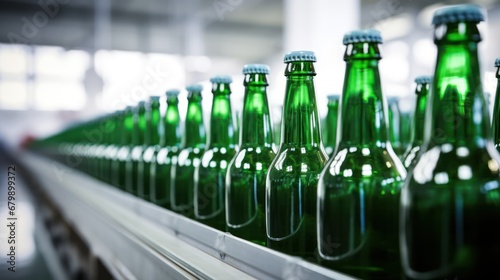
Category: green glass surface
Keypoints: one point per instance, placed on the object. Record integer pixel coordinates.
(406, 123)
(451, 201)
(394, 124)
(164, 157)
(291, 183)
(152, 145)
(496, 114)
(417, 136)
(122, 154)
(120, 142)
(135, 155)
(331, 125)
(111, 129)
(246, 174)
(359, 188)
(210, 175)
(193, 146)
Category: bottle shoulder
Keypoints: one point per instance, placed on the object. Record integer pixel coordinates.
(253, 159)
(445, 164)
(365, 162)
(299, 158)
(212, 156)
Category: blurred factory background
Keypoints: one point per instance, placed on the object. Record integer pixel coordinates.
(68, 60)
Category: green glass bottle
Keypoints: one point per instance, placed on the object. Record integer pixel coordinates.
(417, 135)
(450, 203)
(135, 155)
(122, 154)
(152, 145)
(291, 183)
(246, 173)
(193, 146)
(394, 124)
(331, 124)
(496, 110)
(406, 129)
(210, 175)
(359, 188)
(95, 148)
(165, 158)
(110, 153)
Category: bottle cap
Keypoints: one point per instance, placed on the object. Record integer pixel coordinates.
(363, 36)
(423, 79)
(154, 98)
(172, 93)
(458, 13)
(221, 79)
(195, 87)
(255, 69)
(497, 62)
(141, 103)
(300, 56)
(332, 97)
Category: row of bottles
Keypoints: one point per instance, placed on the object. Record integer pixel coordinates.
(364, 201)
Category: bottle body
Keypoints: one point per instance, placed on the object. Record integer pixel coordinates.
(291, 197)
(210, 187)
(182, 180)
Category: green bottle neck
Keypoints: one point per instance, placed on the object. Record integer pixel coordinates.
(114, 134)
(331, 123)
(127, 128)
(144, 137)
(194, 132)
(300, 126)
(363, 118)
(139, 131)
(222, 133)
(256, 122)
(459, 112)
(496, 113)
(422, 92)
(153, 122)
(394, 122)
(172, 123)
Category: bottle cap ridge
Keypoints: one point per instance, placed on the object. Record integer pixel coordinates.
(195, 87)
(363, 36)
(497, 62)
(221, 79)
(256, 69)
(172, 92)
(423, 79)
(300, 56)
(458, 13)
